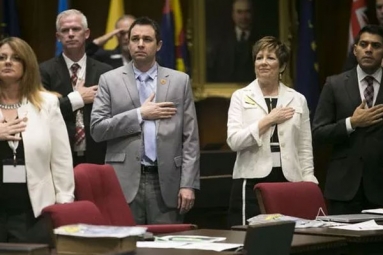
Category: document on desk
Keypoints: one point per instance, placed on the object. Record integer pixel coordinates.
(367, 225)
(374, 211)
(160, 244)
(211, 246)
(190, 246)
(190, 238)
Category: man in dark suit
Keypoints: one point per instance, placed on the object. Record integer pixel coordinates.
(349, 117)
(74, 76)
(118, 56)
(231, 58)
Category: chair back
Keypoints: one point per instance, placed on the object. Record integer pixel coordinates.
(99, 184)
(298, 199)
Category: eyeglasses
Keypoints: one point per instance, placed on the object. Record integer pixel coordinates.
(12, 58)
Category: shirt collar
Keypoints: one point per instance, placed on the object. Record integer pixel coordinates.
(362, 74)
(239, 31)
(152, 72)
(69, 62)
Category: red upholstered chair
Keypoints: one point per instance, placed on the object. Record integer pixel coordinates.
(72, 213)
(298, 199)
(99, 184)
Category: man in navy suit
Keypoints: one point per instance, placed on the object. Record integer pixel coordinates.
(349, 117)
(118, 56)
(75, 77)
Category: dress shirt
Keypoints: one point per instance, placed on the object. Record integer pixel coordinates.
(362, 83)
(238, 33)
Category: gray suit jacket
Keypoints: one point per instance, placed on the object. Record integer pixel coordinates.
(114, 119)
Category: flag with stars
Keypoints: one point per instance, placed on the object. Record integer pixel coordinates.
(306, 81)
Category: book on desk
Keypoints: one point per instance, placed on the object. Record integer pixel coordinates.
(83, 239)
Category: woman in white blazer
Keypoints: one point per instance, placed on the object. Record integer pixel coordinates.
(35, 156)
(269, 128)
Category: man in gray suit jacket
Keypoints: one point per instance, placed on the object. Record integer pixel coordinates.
(152, 138)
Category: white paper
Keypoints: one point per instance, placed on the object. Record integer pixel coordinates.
(374, 211)
(367, 225)
(160, 244)
(211, 246)
(191, 238)
(190, 246)
(14, 174)
(85, 230)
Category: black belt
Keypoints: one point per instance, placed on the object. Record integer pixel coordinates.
(149, 169)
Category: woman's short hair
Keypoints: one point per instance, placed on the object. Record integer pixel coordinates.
(30, 82)
(274, 45)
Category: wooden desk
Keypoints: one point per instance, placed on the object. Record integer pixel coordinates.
(24, 249)
(301, 244)
(358, 242)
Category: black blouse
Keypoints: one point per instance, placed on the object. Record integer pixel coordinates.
(271, 103)
(13, 196)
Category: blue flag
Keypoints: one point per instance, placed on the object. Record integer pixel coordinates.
(10, 20)
(307, 66)
(62, 6)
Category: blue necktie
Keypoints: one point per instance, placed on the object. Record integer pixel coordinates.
(149, 125)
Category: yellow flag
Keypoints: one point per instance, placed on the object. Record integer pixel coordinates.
(116, 10)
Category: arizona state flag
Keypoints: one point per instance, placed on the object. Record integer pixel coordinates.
(116, 10)
(174, 53)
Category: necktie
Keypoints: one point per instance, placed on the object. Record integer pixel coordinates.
(369, 91)
(149, 125)
(79, 136)
(73, 78)
(243, 36)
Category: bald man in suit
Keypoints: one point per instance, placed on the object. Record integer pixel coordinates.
(152, 137)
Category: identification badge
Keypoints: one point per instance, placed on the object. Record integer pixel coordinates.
(14, 173)
(276, 156)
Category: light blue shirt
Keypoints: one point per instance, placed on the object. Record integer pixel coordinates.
(152, 73)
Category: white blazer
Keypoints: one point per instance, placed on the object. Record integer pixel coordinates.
(247, 108)
(48, 158)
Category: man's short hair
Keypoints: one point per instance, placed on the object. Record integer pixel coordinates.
(371, 29)
(149, 22)
(70, 12)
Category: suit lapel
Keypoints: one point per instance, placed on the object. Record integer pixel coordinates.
(351, 86)
(163, 83)
(27, 110)
(63, 74)
(284, 96)
(257, 94)
(91, 73)
(130, 84)
(379, 98)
